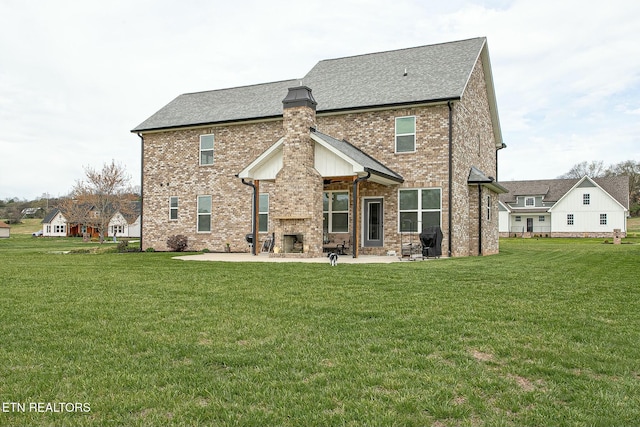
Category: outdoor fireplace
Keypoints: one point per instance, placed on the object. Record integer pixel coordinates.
(293, 243)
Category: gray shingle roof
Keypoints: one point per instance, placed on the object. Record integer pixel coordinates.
(554, 189)
(433, 73)
(369, 163)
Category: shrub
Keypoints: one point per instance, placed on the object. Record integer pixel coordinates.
(177, 243)
(123, 246)
(149, 250)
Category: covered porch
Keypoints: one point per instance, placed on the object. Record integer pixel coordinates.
(338, 218)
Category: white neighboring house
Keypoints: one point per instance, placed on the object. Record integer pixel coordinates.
(583, 207)
(121, 227)
(54, 224)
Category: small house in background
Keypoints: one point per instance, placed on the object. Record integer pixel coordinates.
(125, 224)
(5, 230)
(54, 224)
(586, 207)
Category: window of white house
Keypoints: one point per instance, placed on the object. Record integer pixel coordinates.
(173, 207)
(530, 201)
(405, 134)
(569, 219)
(206, 149)
(263, 213)
(117, 229)
(419, 208)
(48, 229)
(541, 218)
(58, 229)
(335, 211)
(586, 198)
(204, 214)
(603, 219)
(518, 218)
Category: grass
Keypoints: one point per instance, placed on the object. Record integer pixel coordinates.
(546, 333)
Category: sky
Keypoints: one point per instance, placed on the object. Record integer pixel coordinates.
(77, 75)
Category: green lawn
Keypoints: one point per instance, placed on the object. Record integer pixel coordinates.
(546, 333)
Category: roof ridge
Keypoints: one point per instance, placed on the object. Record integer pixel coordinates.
(401, 49)
(241, 87)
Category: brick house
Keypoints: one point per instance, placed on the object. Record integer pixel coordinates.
(363, 151)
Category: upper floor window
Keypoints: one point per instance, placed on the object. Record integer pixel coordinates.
(206, 149)
(263, 213)
(603, 219)
(335, 211)
(173, 207)
(419, 208)
(586, 199)
(405, 134)
(530, 201)
(204, 214)
(569, 219)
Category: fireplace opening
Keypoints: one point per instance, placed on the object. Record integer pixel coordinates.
(293, 243)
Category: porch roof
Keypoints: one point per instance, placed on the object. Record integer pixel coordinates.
(333, 158)
(476, 176)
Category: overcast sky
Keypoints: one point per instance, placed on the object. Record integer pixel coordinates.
(77, 75)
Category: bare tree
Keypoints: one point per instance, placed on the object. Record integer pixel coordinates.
(593, 169)
(104, 193)
(629, 168)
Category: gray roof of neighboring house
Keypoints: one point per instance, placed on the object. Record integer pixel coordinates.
(433, 73)
(369, 163)
(49, 217)
(554, 189)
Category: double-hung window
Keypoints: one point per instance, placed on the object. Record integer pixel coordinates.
(335, 211)
(206, 150)
(173, 207)
(586, 199)
(263, 213)
(405, 134)
(419, 208)
(529, 201)
(204, 214)
(603, 219)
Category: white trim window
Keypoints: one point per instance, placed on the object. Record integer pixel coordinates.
(603, 219)
(59, 229)
(204, 214)
(263, 213)
(173, 208)
(569, 219)
(117, 229)
(419, 208)
(586, 199)
(405, 134)
(206, 149)
(335, 211)
(530, 201)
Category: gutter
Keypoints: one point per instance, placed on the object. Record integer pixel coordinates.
(450, 226)
(354, 230)
(141, 186)
(254, 226)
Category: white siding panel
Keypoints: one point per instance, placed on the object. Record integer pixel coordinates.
(587, 217)
(328, 164)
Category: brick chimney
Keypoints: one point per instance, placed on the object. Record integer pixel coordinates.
(297, 198)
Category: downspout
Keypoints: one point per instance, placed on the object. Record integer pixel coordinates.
(479, 219)
(141, 185)
(354, 230)
(254, 228)
(450, 226)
